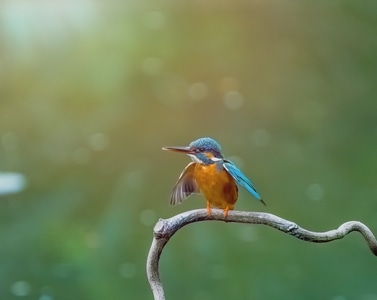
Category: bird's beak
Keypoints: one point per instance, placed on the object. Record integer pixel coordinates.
(186, 150)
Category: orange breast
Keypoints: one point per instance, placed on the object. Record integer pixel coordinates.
(217, 186)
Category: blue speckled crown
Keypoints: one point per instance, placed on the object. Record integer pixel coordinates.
(207, 144)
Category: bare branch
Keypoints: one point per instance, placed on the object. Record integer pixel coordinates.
(164, 229)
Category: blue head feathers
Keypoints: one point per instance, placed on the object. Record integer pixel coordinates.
(207, 144)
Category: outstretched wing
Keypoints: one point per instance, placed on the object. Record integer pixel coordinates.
(241, 179)
(185, 186)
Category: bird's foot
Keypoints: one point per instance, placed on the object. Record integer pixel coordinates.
(208, 209)
(226, 212)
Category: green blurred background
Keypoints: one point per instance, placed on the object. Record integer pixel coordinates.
(91, 90)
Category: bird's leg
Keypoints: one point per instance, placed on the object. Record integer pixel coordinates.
(226, 211)
(208, 208)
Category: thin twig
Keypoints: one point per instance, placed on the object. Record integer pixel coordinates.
(164, 229)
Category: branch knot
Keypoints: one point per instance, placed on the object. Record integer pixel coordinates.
(159, 229)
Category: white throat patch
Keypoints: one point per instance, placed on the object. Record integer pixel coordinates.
(216, 159)
(195, 159)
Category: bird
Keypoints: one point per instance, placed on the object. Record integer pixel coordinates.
(210, 174)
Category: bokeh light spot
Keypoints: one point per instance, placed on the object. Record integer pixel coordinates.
(260, 137)
(98, 141)
(21, 288)
(11, 183)
(47, 293)
(198, 91)
(135, 179)
(127, 270)
(248, 234)
(45, 297)
(93, 240)
(233, 100)
(154, 20)
(315, 191)
(293, 151)
(151, 66)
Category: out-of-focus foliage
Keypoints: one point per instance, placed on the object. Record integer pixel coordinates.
(89, 93)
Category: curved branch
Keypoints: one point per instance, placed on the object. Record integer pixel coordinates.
(164, 230)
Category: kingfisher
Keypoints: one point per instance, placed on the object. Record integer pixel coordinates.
(210, 174)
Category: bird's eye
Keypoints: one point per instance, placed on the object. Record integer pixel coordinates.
(201, 149)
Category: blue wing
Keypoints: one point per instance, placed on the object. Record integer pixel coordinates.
(185, 186)
(241, 179)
